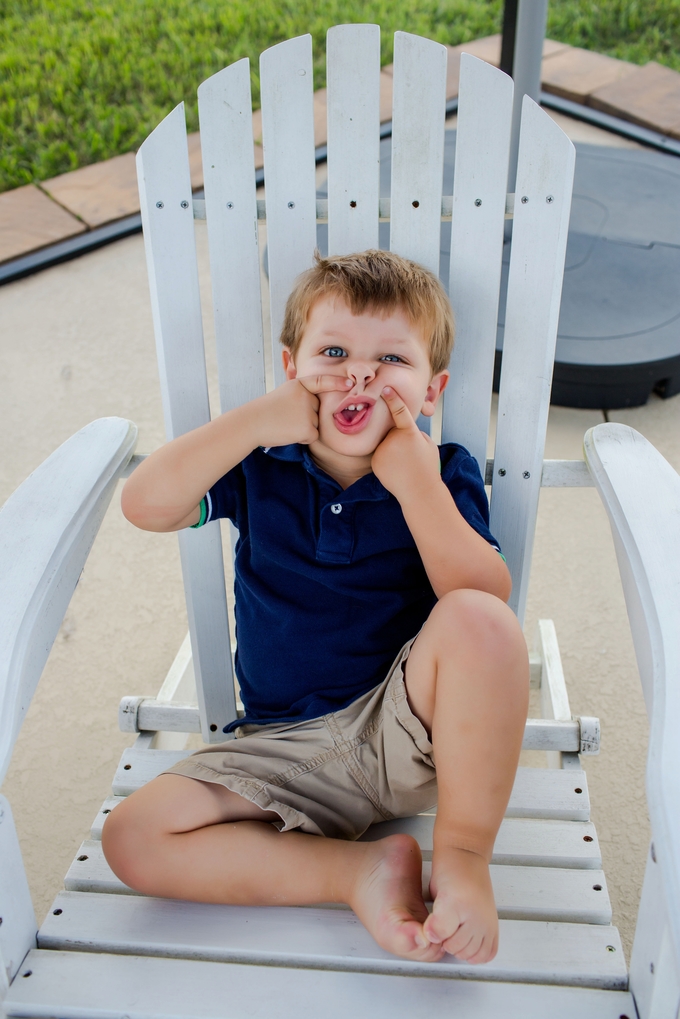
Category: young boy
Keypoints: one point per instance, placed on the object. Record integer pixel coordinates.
(360, 541)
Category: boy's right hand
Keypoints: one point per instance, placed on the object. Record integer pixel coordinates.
(290, 413)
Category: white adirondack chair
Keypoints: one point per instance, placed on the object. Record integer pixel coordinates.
(105, 952)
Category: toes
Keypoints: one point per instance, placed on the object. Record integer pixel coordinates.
(441, 925)
(463, 944)
(474, 948)
(486, 952)
(412, 943)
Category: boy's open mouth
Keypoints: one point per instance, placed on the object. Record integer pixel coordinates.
(354, 415)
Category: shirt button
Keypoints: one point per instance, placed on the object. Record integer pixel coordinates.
(336, 507)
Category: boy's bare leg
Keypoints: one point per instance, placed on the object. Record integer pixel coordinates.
(182, 838)
(467, 679)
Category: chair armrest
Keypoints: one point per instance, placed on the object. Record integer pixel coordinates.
(641, 494)
(47, 528)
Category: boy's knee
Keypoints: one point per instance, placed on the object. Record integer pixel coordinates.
(480, 619)
(126, 844)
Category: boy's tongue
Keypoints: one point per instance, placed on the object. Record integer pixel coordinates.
(353, 414)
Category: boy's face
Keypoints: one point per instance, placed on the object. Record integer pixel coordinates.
(374, 352)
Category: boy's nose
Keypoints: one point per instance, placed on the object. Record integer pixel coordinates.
(361, 372)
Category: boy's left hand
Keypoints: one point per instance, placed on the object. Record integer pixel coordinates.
(407, 460)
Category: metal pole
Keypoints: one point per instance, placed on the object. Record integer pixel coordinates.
(526, 66)
(508, 38)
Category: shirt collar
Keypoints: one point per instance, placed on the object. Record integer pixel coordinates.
(366, 489)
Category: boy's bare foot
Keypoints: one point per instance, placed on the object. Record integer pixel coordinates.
(387, 898)
(464, 920)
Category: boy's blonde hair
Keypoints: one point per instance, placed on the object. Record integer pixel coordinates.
(375, 281)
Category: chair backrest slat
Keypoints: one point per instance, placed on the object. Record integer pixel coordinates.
(167, 218)
(479, 191)
(225, 111)
(287, 93)
(545, 172)
(419, 104)
(353, 103)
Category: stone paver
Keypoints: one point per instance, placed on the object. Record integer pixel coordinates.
(30, 220)
(649, 96)
(574, 73)
(195, 160)
(98, 193)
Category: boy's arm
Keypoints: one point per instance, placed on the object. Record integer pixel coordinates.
(164, 493)
(454, 555)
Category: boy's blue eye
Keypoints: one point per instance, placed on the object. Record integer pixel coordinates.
(391, 358)
(334, 352)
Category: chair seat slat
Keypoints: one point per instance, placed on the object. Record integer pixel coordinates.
(530, 951)
(537, 792)
(520, 841)
(560, 895)
(77, 984)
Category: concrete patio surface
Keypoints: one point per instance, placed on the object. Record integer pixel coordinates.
(77, 344)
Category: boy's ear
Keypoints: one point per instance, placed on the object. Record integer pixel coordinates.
(288, 366)
(438, 384)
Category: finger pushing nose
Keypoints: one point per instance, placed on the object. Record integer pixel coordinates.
(361, 373)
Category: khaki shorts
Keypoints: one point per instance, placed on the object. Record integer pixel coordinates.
(334, 775)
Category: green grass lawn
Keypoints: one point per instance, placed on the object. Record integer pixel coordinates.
(82, 81)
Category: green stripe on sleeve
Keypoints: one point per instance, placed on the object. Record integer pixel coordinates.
(204, 514)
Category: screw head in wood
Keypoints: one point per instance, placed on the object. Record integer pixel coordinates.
(549, 199)
(159, 205)
(525, 199)
(478, 202)
(184, 204)
(415, 204)
(230, 205)
(352, 205)
(502, 471)
(610, 948)
(526, 474)
(291, 205)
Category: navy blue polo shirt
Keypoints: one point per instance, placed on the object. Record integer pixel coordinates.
(329, 583)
